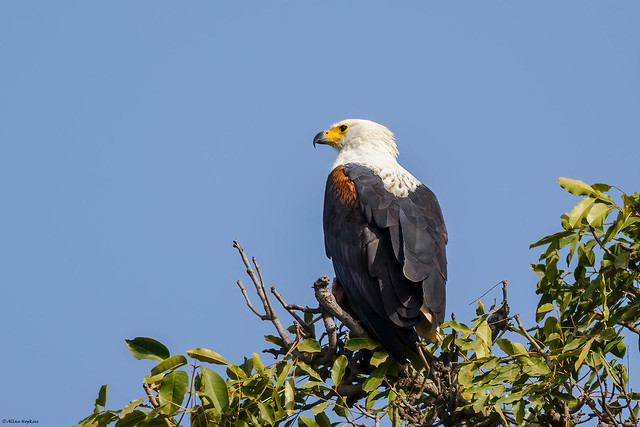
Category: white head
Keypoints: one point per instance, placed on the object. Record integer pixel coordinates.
(359, 138)
(371, 144)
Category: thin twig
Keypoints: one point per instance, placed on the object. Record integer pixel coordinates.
(533, 342)
(606, 249)
(262, 287)
(246, 298)
(256, 281)
(286, 306)
(270, 314)
(191, 387)
(503, 282)
(154, 402)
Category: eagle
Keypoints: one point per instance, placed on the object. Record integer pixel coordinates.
(385, 235)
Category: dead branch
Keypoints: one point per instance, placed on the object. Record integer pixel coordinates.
(270, 314)
(249, 303)
(328, 303)
(298, 319)
(330, 326)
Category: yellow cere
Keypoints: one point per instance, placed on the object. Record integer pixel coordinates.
(336, 133)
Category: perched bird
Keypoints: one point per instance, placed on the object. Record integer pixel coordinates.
(386, 237)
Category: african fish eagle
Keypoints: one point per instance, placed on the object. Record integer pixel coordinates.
(386, 237)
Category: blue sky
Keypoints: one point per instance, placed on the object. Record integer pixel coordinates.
(138, 139)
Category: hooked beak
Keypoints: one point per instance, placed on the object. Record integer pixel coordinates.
(320, 138)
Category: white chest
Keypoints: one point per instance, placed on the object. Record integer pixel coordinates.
(396, 179)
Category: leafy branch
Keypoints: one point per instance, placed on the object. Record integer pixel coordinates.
(567, 369)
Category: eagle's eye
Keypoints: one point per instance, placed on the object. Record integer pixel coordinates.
(343, 128)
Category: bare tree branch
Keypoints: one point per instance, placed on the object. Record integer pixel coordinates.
(293, 314)
(262, 294)
(328, 302)
(249, 304)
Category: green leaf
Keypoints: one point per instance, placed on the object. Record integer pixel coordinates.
(480, 308)
(579, 188)
(201, 417)
(447, 342)
(536, 367)
(622, 378)
(289, 396)
(235, 372)
(257, 363)
(603, 188)
(152, 379)
(102, 396)
(89, 421)
(375, 379)
(172, 390)
(379, 357)
(282, 376)
(207, 356)
(580, 211)
(519, 411)
(309, 370)
(576, 187)
(307, 422)
(508, 373)
(337, 371)
(310, 346)
(460, 327)
(147, 348)
(169, 363)
(215, 389)
(499, 411)
(598, 214)
(551, 238)
(355, 344)
(274, 340)
(619, 350)
(583, 354)
(511, 348)
(572, 345)
(131, 406)
(483, 349)
(469, 344)
(132, 419)
(622, 260)
(100, 420)
(572, 247)
(483, 332)
(542, 310)
(322, 419)
(267, 414)
(571, 400)
(318, 409)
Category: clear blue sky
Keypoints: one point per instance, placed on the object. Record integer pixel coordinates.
(138, 139)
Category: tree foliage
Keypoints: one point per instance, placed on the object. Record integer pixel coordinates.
(566, 370)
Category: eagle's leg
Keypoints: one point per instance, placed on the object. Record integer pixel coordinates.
(341, 298)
